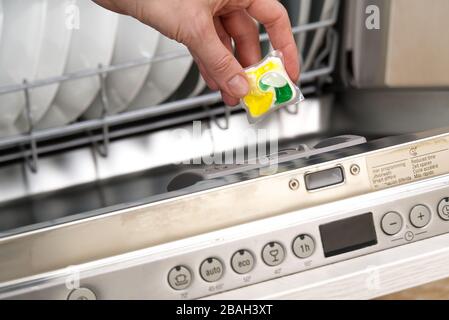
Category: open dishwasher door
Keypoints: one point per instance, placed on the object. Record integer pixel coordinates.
(333, 198)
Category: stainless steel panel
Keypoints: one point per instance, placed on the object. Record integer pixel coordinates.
(207, 206)
(143, 274)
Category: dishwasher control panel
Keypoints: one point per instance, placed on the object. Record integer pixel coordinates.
(263, 250)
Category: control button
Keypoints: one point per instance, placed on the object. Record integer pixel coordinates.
(242, 261)
(420, 216)
(303, 246)
(179, 278)
(325, 178)
(273, 254)
(81, 294)
(211, 270)
(443, 209)
(409, 236)
(391, 223)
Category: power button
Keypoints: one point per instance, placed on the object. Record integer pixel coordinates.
(443, 209)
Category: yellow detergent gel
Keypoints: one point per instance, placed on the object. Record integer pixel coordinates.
(270, 88)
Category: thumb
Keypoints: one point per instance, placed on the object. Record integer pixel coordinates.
(220, 63)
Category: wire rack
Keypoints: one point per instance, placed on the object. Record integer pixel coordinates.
(99, 132)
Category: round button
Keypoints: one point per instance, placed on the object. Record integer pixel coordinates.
(420, 216)
(443, 209)
(211, 270)
(81, 294)
(303, 246)
(179, 278)
(273, 254)
(242, 261)
(391, 223)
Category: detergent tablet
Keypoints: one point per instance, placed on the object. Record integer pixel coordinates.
(270, 88)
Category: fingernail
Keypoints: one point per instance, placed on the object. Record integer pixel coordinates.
(238, 86)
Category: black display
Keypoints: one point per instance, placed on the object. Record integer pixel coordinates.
(348, 235)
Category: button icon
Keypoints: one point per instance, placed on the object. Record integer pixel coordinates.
(303, 246)
(409, 236)
(420, 216)
(391, 223)
(211, 270)
(179, 278)
(273, 254)
(443, 209)
(242, 261)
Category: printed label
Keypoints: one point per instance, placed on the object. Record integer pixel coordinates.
(416, 162)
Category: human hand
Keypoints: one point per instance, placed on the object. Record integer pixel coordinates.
(206, 27)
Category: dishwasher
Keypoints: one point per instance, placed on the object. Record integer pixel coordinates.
(348, 196)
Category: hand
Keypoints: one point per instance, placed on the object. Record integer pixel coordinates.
(206, 27)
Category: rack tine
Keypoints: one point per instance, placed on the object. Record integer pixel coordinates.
(103, 147)
(326, 51)
(31, 161)
(214, 119)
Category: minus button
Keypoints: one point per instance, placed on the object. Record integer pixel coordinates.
(391, 223)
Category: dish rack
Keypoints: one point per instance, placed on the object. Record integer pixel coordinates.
(99, 132)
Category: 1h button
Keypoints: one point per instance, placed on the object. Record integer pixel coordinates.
(303, 246)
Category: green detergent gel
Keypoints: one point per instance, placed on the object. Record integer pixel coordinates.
(282, 89)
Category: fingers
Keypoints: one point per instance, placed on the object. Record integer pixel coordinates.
(223, 34)
(221, 65)
(122, 7)
(229, 100)
(209, 81)
(243, 29)
(227, 42)
(275, 19)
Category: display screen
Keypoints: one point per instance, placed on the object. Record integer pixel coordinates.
(348, 235)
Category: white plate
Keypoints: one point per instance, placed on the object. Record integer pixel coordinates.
(52, 55)
(165, 76)
(192, 85)
(134, 41)
(326, 13)
(23, 26)
(92, 44)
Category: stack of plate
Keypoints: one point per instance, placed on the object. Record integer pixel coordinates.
(48, 38)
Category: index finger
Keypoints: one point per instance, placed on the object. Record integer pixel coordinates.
(274, 17)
